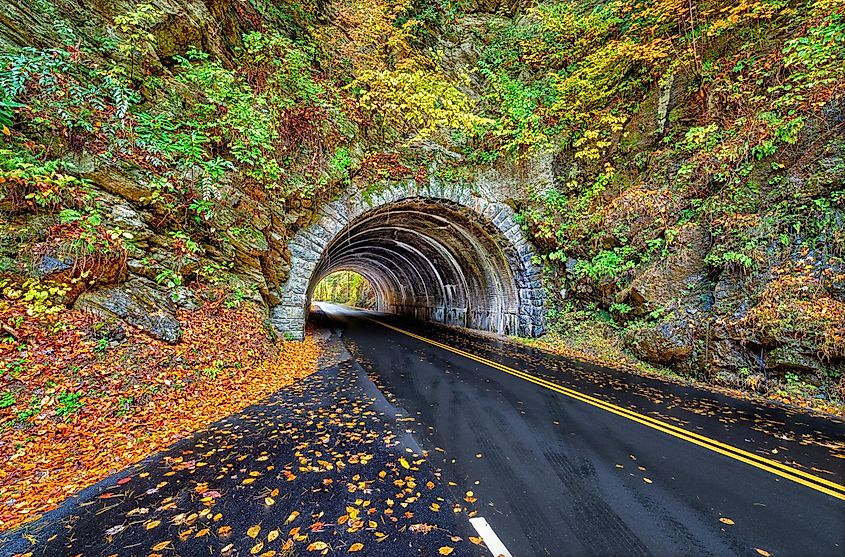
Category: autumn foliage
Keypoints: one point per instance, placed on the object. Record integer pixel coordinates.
(83, 398)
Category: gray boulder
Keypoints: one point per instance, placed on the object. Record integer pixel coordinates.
(139, 302)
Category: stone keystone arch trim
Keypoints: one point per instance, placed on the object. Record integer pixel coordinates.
(309, 245)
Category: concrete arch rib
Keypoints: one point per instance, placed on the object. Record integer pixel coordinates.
(429, 251)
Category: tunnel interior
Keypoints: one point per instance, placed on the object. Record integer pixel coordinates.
(436, 261)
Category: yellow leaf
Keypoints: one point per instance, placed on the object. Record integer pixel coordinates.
(476, 541)
(6, 131)
(404, 462)
(356, 547)
(253, 531)
(161, 545)
(201, 533)
(445, 550)
(152, 524)
(646, 480)
(256, 548)
(291, 517)
(725, 520)
(224, 530)
(317, 546)
(268, 501)
(762, 552)
(273, 535)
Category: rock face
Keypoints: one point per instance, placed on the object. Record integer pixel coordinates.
(141, 303)
(674, 280)
(666, 343)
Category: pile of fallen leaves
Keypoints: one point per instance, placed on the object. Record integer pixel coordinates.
(81, 398)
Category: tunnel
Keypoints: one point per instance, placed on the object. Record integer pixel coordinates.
(444, 258)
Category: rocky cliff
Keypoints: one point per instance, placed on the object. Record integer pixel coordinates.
(688, 202)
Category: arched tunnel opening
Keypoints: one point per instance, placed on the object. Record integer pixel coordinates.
(345, 287)
(438, 261)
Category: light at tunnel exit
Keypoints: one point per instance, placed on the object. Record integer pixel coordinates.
(345, 287)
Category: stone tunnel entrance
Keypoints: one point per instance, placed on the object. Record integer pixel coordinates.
(441, 254)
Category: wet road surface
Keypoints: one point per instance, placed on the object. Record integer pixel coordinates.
(416, 439)
(322, 467)
(556, 476)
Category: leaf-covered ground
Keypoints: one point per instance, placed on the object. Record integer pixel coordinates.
(320, 467)
(84, 398)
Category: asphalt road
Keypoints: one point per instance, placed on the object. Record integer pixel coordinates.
(323, 467)
(556, 474)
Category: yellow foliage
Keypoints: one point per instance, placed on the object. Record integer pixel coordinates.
(40, 298)
(418, 103)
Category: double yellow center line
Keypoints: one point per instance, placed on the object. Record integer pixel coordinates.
(779, 469)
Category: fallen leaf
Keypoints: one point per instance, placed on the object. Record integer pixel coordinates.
(358, 546)
(725, 520)
(252, 532)
(446, 550)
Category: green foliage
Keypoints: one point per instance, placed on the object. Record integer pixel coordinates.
(340, 166)
(137, 41)
(169, 278)
(15, 367)
(815, 60)
(344, 287)
(124, 405)
(63, 94)
(271, 116)
(28, 182)
(607, 264)
(7, 400)
(68, 403)
(102, 345)
(237, 295)
(213, 370)
(32, 409)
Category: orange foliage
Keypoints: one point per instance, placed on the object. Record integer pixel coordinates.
(137, 397)
(795, 306)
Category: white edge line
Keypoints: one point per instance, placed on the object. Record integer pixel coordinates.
(491, 540)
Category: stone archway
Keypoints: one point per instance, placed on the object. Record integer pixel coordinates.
(443, 253)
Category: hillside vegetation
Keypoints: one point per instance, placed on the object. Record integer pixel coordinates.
(693, 155)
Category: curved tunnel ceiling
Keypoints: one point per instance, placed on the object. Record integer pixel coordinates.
(432, 261)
